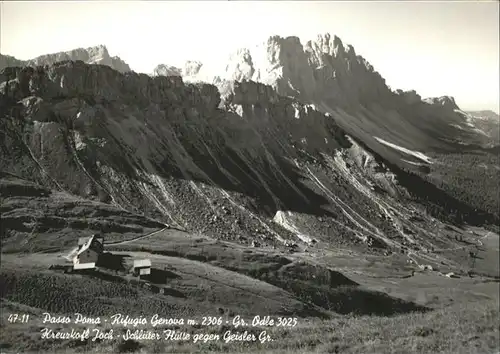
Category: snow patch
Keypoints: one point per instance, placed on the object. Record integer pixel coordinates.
(457, 126)
(412, 162)
(416, 154)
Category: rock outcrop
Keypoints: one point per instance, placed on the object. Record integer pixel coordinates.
(447, 102)
(166, 70)
(410, 97)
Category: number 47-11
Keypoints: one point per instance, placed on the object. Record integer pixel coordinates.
(14, 318)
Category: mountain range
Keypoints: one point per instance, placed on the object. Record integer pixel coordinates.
(292, 147)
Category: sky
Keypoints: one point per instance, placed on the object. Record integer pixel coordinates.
(436, 48)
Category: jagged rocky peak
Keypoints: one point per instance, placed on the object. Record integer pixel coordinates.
(445, 101)
(250, 92)
(192, 67)
(332, 46)
(324, 71)
(321, 70)
(93, 55)
(192, 71)
(240, 64)
(409, 97)
(167, 70)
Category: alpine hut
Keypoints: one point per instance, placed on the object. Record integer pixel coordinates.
(88, 253)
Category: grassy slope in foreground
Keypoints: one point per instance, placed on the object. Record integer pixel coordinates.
(455, 329)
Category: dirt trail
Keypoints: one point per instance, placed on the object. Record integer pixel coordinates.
(136, 238)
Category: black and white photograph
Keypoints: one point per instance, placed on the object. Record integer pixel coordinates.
(284, 177)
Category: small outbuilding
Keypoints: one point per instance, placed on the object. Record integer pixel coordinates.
(142, 267)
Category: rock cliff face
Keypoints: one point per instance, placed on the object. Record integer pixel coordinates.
(93, 55)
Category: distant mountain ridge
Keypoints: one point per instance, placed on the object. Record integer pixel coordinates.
(92, 55)
(485, 114)
(488, 122)
(295, 70)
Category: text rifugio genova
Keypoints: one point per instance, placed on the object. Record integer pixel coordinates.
(148, 327)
